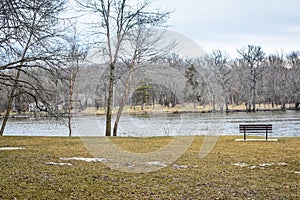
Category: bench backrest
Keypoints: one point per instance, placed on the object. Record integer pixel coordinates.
(255, 128)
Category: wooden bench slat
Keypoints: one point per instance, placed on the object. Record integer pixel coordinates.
(259, 128)
(255, 125)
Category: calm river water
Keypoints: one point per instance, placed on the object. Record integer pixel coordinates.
(285, 124)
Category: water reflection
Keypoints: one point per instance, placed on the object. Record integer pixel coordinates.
(284, 124)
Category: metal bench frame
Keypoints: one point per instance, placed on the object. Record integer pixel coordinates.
(256, 128)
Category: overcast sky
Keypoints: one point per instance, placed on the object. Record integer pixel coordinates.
(229, 25)
(232, 24)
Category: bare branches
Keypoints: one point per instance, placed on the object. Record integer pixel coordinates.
(30, 38)
(118, 19)
(30, 34)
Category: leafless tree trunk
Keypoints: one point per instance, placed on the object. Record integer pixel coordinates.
(123, 100)
(76, 56)
(15, 85)
(70, 102)
(9, 105)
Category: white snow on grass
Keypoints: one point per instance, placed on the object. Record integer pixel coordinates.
(265, 165)
(156, 163)
(117, 165)
(60, 164)
(180, 166)
(11, 148)
(241, 164)
(84, 159)
(282, 164)
(260, 166)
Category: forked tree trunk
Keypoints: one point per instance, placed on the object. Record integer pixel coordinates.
(123, 100)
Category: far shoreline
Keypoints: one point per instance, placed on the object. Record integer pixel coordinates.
(90, 111)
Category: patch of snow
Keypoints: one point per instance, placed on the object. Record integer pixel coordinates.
(11, 148)
(180, 166)
(61, 164)
(271, 164)
(84, 159)
(265, 165)
(241, 164)
(156, 163)
(261, 166)
(252, 167)
(282, 164)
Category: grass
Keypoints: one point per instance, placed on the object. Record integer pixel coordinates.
(24, 174)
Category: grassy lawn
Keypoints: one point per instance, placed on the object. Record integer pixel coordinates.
(24, 174)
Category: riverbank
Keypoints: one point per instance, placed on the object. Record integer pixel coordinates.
(183, 109)
(156, 110)
(232, 170)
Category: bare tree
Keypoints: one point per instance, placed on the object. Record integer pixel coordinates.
(293, 65)
(142, 47)
(29, 38)
(116, 18)
(77, 55)
(276, 80)
(208, 85)
(222, 75)
(254, 56)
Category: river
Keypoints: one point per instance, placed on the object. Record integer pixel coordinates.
(285, 124)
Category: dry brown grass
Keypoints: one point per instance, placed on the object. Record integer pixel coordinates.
(24, 174)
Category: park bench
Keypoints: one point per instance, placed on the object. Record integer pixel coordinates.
(255, 128)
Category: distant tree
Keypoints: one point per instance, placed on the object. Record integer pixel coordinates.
(293, 65)
(222, 75)
(277, 81)
(241, 83)
(253, 57)
(192, 81)
(208, 89)
(143, 93)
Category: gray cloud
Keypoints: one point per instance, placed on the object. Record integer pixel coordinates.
(273, 23)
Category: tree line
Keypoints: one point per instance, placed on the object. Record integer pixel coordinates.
(253, 78)
(47, 66)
